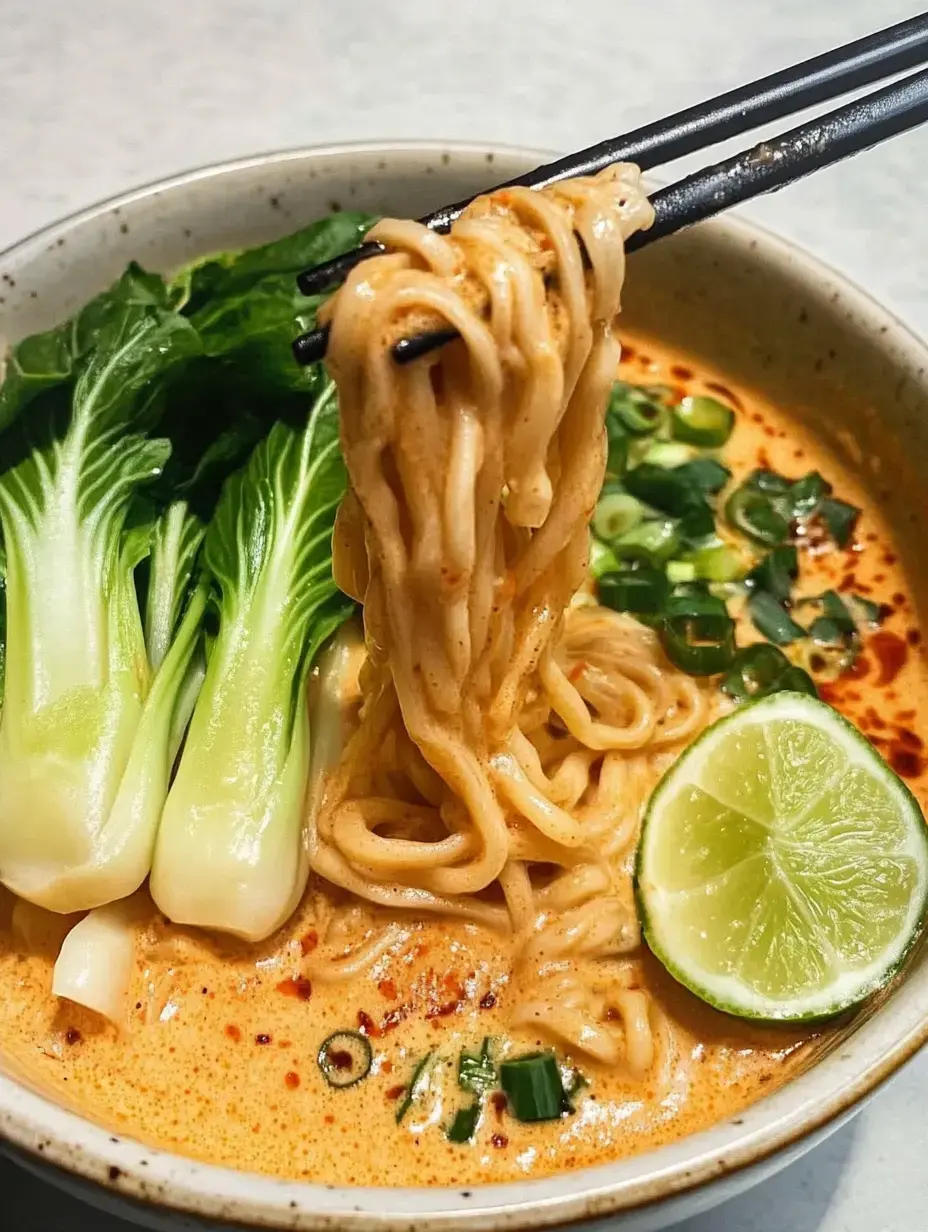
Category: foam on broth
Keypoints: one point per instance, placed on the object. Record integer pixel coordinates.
(218, 1056)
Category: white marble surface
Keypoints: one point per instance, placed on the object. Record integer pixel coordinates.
(100, 95)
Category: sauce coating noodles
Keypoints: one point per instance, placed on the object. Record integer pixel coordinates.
(505, 744)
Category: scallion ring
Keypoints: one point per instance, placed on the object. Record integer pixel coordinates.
(533, 1085)
(616, 513)
(702, 421)
(345, 1058)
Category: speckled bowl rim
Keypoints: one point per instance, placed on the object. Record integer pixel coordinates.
(43, 1134)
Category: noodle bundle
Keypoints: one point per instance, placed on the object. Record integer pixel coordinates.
(509, 728)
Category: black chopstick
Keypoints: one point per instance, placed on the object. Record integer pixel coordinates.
(815, 81)
(763, 168)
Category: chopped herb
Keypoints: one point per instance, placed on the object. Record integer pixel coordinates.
(615, 514)
(806, 495)
(533, 1085)
(697, 633)
(840, 518)
(762, 669)
(706, 474)
(477, 1071)
(642, 591)
(639, 409)
(756, 515)
(651, 542)
(602, 559)
(776, 572)
(416, 1085)
(464, 1125)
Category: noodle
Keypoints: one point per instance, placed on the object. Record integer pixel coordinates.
(508, 732)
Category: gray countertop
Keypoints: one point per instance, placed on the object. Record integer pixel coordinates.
(96, 97)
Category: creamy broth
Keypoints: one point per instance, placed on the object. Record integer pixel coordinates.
(217, 1059)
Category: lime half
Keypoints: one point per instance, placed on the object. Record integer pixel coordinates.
(783, 868)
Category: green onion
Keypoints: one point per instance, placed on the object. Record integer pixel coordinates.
(702, 421)
(651, 542)
(705, 474)
(773, 484)
(464, 1125)
(840, 518)
(671, 455)
(868, 612)
(640, 410)
(602, 559)
(772, 620)
(718, 562)
(616, 513)
(807, 494)
(758, 671)
(697, 633)
(416, 1085)
(697, 520)
(670, 491)
(680, 571)
(345, 1058)
(754, 513)
(618, 444)
(834, 621)
(476, 1071)
(642, 591)
(776, 572)
(533, 1085)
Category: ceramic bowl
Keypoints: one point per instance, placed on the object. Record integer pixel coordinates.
(778, 321)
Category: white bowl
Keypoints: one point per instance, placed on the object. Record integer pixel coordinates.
(774, 318)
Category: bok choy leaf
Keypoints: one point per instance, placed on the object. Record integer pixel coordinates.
(230, 852)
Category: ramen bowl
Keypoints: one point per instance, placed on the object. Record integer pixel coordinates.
(775, 320)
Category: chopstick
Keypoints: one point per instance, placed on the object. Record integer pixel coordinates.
(814, 81)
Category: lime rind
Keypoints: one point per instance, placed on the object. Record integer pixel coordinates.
(782, 807)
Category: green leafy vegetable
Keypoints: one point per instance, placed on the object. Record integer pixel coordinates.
(534, 1087)
(464, 1125)
(416, 1085)
(772, 619)
(477, 1071)
(703, 421)
(89, 724)
(642, 591)
(236, 804)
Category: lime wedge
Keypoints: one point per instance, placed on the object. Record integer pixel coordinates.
(783, 868)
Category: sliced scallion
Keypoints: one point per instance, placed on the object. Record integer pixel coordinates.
(670, 491)
(777, 572)
(705, 474)
(718, 562)
(642, 591)
(345, 1058)
(702, 421)
(618, 443)
(602, 559)
(772, 620)
(640, 410)
(807, 494)
(840, 518)
(866, 610)
(476, 1070)
(754, 513)
(464, 1125)
(616, 513)
(762, 669)
(669, 454)
(651, 542)
(533, 1086)
(416, 1085)
(697, 633)
(681, 571)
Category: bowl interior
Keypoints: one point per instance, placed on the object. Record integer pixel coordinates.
(730, 295)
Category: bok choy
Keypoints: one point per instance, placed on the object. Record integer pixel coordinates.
(89, 725)
(230, 853)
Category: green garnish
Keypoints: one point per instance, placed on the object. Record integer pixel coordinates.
(576, 1082)
(702, 421)
(697, 633)
(477, 1071)
(615, 514)
(640, 410)
(651, 542)
(772, 619)
(345, 1058)
(776, 572)
(602, 559)
(762, 669)
(706, 474)
(533, 1086)
(671, 455)
(754, 513)
(718, 562)
(416, 1085)
(464, 1125)
(840, 518)
(642, 591)
(672, 493)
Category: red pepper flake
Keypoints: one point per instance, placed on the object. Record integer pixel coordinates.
(309, 942)
(898, 598)
(339, 1058)
(367, 1026)
(285, 1044)
(387, 989)
(889, 558)
(890, 652)
(500, 1141)
(488, 1000)
(72, 1036)
(913, 637)
(386, 1066)
(628, 351)
(233, 1032)
(262, 1038)
(393, 1018)
(397, 1091)
(905, 763)
(329, 1119)
(909, 737)
(859, 668)
(291, 1080)
(874, 719)
(300, 988)
(443, 1011)
(498, 1102)
(848, 582)
(453, 986)
(723, 391)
